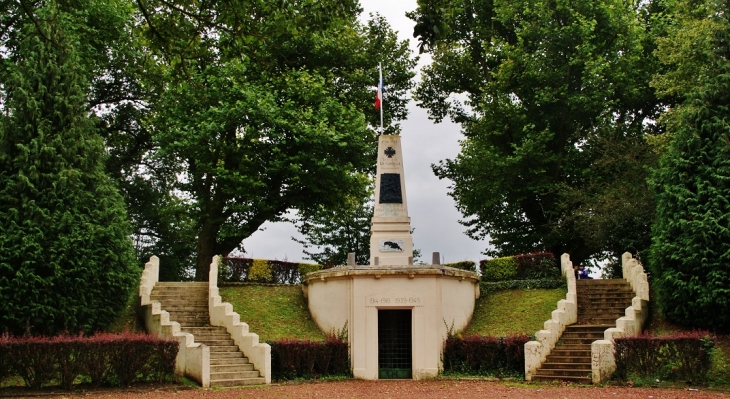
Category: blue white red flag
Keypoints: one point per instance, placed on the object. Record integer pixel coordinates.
(379, 92)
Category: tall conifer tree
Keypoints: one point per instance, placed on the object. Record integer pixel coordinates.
(690, 253)
(66, 260)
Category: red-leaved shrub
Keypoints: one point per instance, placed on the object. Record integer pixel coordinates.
(485, 355)
(680, 357)
(292, 358)
(111, 359)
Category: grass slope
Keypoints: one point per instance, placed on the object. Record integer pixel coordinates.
(511, 312)
(273, 312)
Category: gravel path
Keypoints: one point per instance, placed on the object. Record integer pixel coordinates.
(407, 389)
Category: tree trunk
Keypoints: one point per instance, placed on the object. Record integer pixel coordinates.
(207, 249)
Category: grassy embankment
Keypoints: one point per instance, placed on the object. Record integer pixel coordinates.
(277, 312)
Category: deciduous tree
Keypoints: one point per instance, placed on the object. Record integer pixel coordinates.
(543, 91)
(267, 108)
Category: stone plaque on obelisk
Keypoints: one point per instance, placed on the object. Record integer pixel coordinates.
(390, 241)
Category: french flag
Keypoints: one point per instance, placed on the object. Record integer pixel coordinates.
(379, 92)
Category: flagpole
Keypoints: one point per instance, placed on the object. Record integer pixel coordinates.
(380, 83)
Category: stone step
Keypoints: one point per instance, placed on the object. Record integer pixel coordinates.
(164, 296)
(186, 324)
(225, 355)
(228, 361)
(567, 346)
(224, 348)
(598, 320)
(580, 341)
(237, 383)
(188, 312)
(602, 281)
(566, 378)
(234, 375)
(184, 307)
(581, 352)
(607, 296)
(565, 372)
(215, 342)
(574, 366)
(567, 359)
(208, 329)
(219, 368)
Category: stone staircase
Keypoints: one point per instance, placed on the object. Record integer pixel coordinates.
(600, 303)
(187, 304)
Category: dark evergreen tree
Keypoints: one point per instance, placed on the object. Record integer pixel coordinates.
(690, 253)
(66, 259)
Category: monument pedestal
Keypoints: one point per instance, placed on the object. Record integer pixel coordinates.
(396, 314)
(390, 242)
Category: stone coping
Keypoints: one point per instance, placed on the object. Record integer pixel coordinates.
(377, 271)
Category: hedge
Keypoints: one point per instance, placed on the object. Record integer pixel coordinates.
(233, 269)
(546, 283)
(680, 357)
(292, 358)
(469, 265)
(485, 355)
(533, 266)
(102, 359)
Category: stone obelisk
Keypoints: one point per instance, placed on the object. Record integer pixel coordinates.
(391, 243)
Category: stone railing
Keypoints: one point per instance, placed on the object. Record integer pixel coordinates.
(603, 362)
(567, 313)
(193, 359)
(222, 314)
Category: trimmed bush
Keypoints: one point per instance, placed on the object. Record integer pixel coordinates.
(292, 359)
(110, 359)
(247, 270)
(539, 265)
(533, 266)
(480, 355)
(681, 357)
(499, 269)
(463, 265)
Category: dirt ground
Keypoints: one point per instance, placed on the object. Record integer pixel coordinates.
(397, 389)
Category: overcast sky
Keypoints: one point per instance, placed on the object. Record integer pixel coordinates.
(433, 213)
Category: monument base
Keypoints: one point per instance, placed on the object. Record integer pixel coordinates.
(396, 317)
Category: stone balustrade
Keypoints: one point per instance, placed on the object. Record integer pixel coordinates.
(603, 362)
(193, 359)
(222, 314)
(566, 313)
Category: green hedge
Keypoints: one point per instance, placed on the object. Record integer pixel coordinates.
(238, 270)
(533, 266)
(469, 265)
(545, 283)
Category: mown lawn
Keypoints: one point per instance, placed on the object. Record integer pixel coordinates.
(512, 312)
(273, 312)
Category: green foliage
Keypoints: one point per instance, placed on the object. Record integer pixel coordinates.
(305, 268)
(66, 262)
(260, 271)
(690, 252)
(469, 265)
(683, 357)
(337, 231)
(555, 90)
(265, 108)
(499, 269)
(544, 283)
(485, 355)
